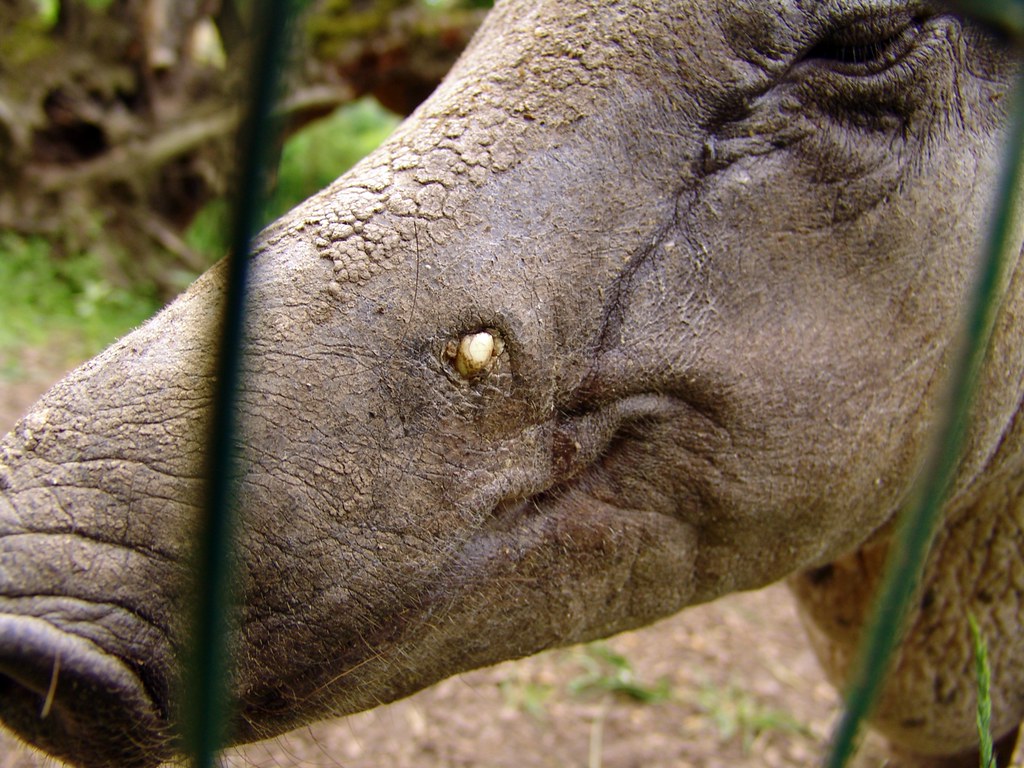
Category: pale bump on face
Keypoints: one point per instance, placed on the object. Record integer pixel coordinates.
(475, 353)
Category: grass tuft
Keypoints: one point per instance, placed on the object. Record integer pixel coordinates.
(984, 673)
(605, 671)
(739, 715)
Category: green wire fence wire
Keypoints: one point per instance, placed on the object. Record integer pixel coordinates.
(207, 703)
(913, 538)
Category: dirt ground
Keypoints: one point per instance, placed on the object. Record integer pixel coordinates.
(728, 684)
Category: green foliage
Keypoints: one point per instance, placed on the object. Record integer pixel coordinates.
(310, 160)
(316, 156)
(397, 49)
(984, 674)
(27, 40)
(42, 297)
(346, 20)
(737, 714)
(341, 21)
(49, 10)
(606, 671)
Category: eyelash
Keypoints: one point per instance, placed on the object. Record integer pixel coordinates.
(863, 50)
(847, 53)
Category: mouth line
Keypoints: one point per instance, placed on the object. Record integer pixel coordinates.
(578, 443)
(517, 512)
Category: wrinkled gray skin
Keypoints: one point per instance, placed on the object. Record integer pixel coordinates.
(722, 244)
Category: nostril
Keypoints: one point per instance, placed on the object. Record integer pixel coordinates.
(24, 689)
(37, 715)
(62, 693)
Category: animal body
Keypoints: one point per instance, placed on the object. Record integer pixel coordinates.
(652, 301)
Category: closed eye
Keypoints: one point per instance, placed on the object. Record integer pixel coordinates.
(851, 53)
(866, 46)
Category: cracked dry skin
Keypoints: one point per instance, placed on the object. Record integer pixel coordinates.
(420, 185)
(715, 253)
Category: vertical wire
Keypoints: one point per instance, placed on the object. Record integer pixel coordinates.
(207, 705)
(913, 538)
